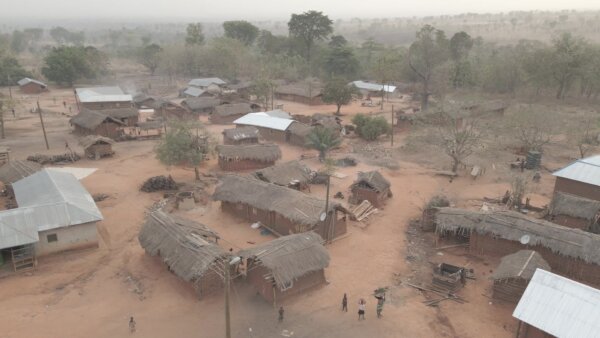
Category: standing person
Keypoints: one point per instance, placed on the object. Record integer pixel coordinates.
(345, 303)
(380, 301)
(361, 309)
(131, 325)
(281, 314)
(65, 104)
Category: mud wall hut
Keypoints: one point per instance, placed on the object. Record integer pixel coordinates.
(580, 178)
(287, 266)
(248, 156)
(31, 86)
(370, 186)
(89, 122)
(297, 134)
(96, 147)
(302, 93)
(292, 174)
(514, 273)
(201, 105)
(227, 113)
(270, 128)
(241, 135)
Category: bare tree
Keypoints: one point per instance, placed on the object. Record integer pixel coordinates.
(458, 137)
(518, 191)
(533, 128)
(584, 135)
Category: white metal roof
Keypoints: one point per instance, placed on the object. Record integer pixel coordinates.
(279, 113)
(205, 82)
(102, 94)
(57, 199)
(17, 227)
(263, 120)
(374, 87)
(560, 306)
(586, 170)
(27, 80)
(193, 91)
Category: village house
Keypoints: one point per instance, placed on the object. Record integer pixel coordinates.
(286, 266)
(227, 113)
(570, 252)
(370, 186)
(95, 147)
(201, 105)
(142, 100)
(128, 116)
(370, 89)
(188, 248)
(166, 109)
(574, 212)
(555, 306)
(241, 135)
(297, 134)
(89, 122)
(99, 98)
(247, 156)
(281, 210)
(63, 211)
(292, 174)
(513, 274)
(31, 86)
(205, 83)
(194, 92)
(270, 128)
(300, 92)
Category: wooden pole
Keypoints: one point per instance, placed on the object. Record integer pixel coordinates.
(10, 91)
(2, 118)
(43, 128)
(327, 207)
(392, 125)
(227, 313)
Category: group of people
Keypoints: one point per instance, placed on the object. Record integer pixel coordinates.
(362, 305)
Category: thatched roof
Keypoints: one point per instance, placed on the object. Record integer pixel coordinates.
(89, 119)
(232, 109)
(573, 206)
(521, 264)
(120, 113)
(201, 103)
(299, 129)
(90, 140)
(290, 257)
(303, 90)
(141, 98)
(292, 204)
(284, 173)
(257, 152)
(182, 244)
(373, 180)
(150, 125)
(512, 226)
(15, 170)
(241, 133)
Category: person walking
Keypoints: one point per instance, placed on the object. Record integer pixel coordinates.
(380, 301)
(361, 309)
(131, 325)
(281, 314)
(345, 303)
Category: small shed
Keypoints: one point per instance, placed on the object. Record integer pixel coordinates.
(371, 186)
(96, 147)
(270, 128)
(287, 266)
(574, 212)
(241, 135)
(188, 248)
(249, 156)
(292, 174)
(201, 105)
(227, 113)
(513, 274)
(31, 86)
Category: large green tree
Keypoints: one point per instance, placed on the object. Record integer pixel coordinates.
(67, 64)
(149, 56)
(568, 59)
(310, 27)
(460, 46)
(323, 140)
(338, 92)
(243, 31)
(194, 35)
(11, 71)
(341, 62)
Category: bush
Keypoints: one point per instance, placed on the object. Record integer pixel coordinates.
(370, 128)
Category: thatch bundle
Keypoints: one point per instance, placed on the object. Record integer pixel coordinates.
(574, 206)
(290, 257)
(512, 226)
(521, 264)
(285, 173)
(182, 244)
(254, 152)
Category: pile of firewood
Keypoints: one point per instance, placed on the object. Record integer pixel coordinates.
(159, 183)
(53, 159)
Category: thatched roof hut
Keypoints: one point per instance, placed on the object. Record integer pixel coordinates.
(90, 119)
(91, 140)
(253, 152)
(512, 226)
(201, 103)
(290, 257)
(574, 206)
(521, 264)
(15, 170)
(300, 89)
(372, 180)
(121, 113)
(285, 174)
(232, 109)
(187, 247)
(241, 135)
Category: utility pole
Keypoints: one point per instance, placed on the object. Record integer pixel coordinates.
(330, 235)
(392, 125)
(227, 313)
(43, 128)
(2, 118)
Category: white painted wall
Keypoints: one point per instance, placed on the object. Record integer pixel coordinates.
(69, 238)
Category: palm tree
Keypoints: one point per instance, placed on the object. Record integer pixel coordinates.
(323, 140)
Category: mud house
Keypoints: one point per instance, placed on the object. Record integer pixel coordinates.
(292, 174)
(89, 122)
(555, 306)
(570, 252)
(304, 93)
(31, 86)
(98, 98)
(96, 147)
(270, 128)
(371, 89)
(370, 186)
(580, 178)
(286, 266)
(188, 248)
(247, 156)
(282, 210)
(241, 135)
(514, 273)
(201, 105)
(64, 212)
(227, 113)
(297, 134)
(574, 212)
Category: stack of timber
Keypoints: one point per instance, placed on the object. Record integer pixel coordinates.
(363, 210)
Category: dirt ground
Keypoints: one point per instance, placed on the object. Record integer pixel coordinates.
(93, 293)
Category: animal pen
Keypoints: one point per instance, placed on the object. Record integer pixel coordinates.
(245, 157)
(513, 274)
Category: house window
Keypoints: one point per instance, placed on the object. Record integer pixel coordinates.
(52, 238)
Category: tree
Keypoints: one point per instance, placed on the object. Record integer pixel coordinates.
(460, 46)
(341, 62)
(567, 61)
(194, 35)
(149, 56)
(185, 143)
(584, 135)
(533, 128)
(424, 55)
(59, 34)
(272, 44)
(338, 92)
(263, 89)
(310, 27)
(370, 128)
(19, 41)
(457, 138)
(241, 30)
(67, 64)
(337, 41)
(323, 140)
(11, 71)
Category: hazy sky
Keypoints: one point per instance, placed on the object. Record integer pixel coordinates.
(254, 10)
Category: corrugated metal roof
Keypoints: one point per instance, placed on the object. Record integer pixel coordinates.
(560, 306)
(264, 120)
(586, 170)
(193, 91)
(57, 198)
(205, 82)
(27, 80)
(102, 94)
(374, 87)
(279, 113)
(17, 227)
